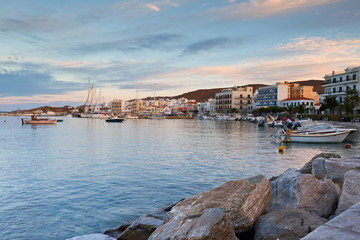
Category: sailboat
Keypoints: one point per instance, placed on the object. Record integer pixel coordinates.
(155, 114)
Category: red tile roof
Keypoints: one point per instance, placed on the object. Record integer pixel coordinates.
(294, 99)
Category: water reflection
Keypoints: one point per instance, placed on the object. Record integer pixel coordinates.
(103, 174)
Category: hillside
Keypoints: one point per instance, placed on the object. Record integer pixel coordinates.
(202, 95)
(316, 83)
(47, 109)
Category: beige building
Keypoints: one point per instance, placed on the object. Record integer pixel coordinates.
(237, 97)
(117, 106)
(298, 91)
(136, 106)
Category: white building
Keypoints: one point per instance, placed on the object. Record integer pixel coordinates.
(337, 83)
(269, 96)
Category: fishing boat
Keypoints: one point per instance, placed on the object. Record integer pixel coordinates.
(315, 137)
(35, 120)
(115, 119)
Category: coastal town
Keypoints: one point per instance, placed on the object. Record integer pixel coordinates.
(242, 100)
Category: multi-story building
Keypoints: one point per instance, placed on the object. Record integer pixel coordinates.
(237, 97)
(337, 83)
(271, 95)
(298, 91)
(117, 106)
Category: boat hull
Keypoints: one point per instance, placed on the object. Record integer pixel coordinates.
(39, 121)
(115, 120)
(335, 137)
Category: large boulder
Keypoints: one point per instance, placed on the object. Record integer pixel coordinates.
(350, 194)
(212, 224)
(306, 169)
(304, 191)
(336, 168)
(243, 201)
(142, 228)
(286, 223)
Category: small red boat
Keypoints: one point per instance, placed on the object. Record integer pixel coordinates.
(35, 120)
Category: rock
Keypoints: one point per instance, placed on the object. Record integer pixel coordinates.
(318, 168)
(212, 224)
(344, 226)
(304, 191)
(243, 201)
(350, 194)
(95, 236)
(141, 228)
(336, 168)
(286, 223)
(115, 233)
(308, 166)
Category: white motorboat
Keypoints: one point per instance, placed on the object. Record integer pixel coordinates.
(315, 137)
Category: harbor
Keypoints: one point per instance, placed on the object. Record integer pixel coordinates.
(85, 176)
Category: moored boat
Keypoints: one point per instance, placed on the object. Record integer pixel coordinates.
(115, 119)
(315, 137)
(35, 120)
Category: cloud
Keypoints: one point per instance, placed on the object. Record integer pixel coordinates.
(32, 24)
(265, 8)
(206, 45)
(152, 7)
(301, 59)
(153, 42)
(29, 83)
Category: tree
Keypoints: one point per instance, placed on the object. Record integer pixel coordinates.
(233, 110)
(301, 109)
(330, 103)
(290, 109)
(351, 100)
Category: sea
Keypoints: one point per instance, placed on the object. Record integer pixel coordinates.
(84, 176)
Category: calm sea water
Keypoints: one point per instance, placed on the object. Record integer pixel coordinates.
(84, 176)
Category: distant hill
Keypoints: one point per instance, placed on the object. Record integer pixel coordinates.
(202, 95)
(47, 109)
(316, 83)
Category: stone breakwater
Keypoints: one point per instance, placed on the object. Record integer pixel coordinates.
(289, 206)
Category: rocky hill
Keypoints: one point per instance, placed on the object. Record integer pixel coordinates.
(316, 83)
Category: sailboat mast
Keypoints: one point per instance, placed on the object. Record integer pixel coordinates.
(137, 101)
(154, 95)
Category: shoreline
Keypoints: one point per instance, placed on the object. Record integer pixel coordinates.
(294, 197)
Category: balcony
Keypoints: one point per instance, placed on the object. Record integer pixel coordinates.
(329, 83)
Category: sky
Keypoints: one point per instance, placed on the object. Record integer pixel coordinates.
(50, 49)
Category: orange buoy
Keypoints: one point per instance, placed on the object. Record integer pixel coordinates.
(281, 148)
(347, 145)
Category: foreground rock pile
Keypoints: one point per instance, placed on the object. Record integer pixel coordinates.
(291, 206)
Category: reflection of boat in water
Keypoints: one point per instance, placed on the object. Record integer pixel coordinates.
(35, 120)
(115, 119)
(315, 137)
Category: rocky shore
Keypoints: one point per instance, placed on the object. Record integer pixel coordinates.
(289, 206)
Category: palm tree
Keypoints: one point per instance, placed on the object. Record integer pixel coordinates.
(351, 100)
(330, 103)
(290, 109)
(301, 109)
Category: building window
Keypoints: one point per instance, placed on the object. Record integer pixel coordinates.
(340, 89)
(340, 99)
(340, 79)
(354, 77)
(334, 90)
(354, 87)
(334, 80)
(348, 77)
